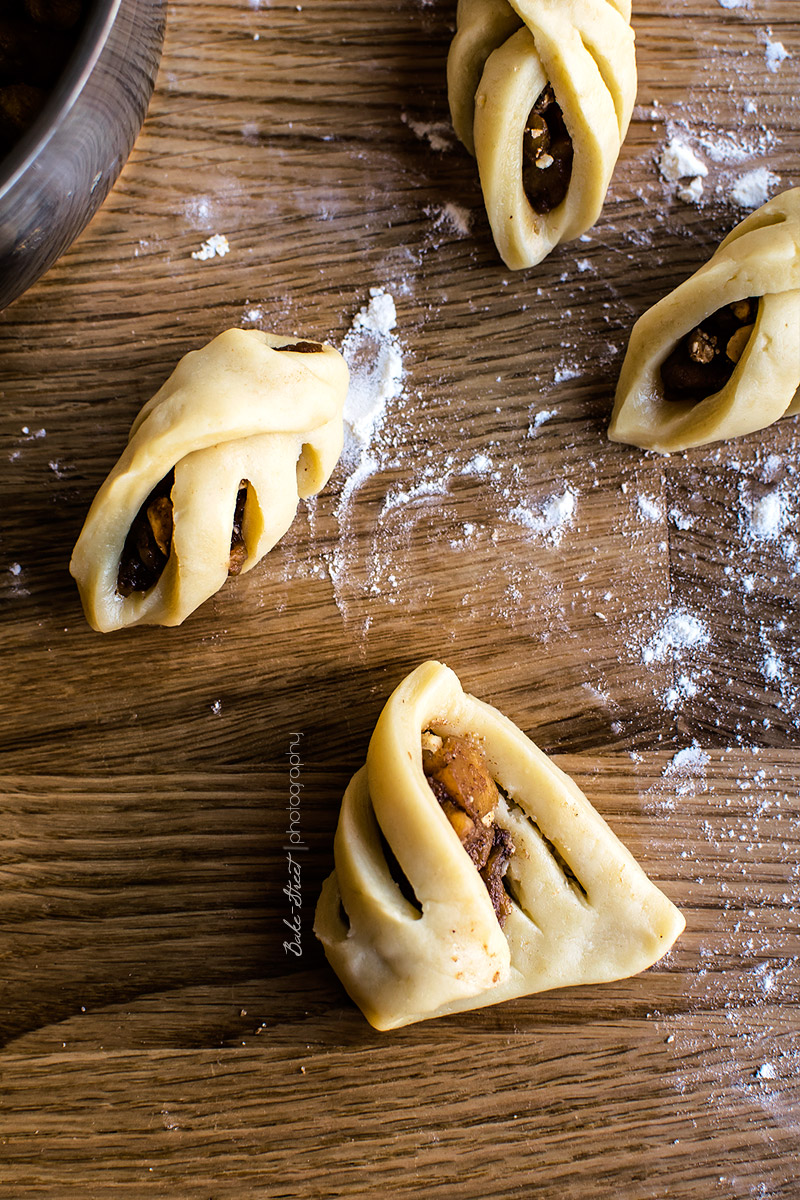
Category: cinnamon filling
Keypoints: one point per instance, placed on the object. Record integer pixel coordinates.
(547, 154)
(459, 778)
(704, 360)
(149, 541)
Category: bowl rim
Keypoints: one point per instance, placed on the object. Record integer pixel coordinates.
(62, 98)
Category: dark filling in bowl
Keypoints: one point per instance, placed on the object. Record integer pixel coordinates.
(704, 360)
(149, 541)
(546, 155)
(458, 776)
(37, 38)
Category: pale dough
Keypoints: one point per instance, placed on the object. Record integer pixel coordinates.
(238, 409)
(401, 965)
(502, 56)
(759, 258)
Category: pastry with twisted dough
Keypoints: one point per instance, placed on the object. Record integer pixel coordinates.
(211, 476)
(469, 869)
(719, 356)
(541, 92)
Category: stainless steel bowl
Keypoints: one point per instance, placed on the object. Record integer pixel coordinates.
(58, 174)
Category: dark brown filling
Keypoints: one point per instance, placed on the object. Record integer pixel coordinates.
(36, 39)
(238, 549)
(704, 360)
(459, 778)
(149, 541)
(303, 348)
(547, 154)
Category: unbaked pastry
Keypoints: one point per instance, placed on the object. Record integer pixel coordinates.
(541, 92)
(211, 476)
(720, 356)
(410, 924)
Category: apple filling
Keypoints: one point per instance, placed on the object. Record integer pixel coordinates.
(458, 776)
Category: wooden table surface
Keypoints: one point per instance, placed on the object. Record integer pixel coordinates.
(157, 1040)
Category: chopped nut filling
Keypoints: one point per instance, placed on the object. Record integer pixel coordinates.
(458, 776)
(547, 154)
(303, 348)
(704, 360)
(149, 542)
(702, 346)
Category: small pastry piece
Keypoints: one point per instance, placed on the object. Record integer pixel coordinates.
(211, 476)
(469, 869)
(541, 92)
(720, 356)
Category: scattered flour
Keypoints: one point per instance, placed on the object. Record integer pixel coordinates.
(774, 52)
(684, 775)
(686, 770)
(198, 210)
(551, 520)
(778, 675)
(681, 166)
(772, 667)
(215, 247)
(479, 464)
(373, 353)
(680, 519)
(400, 497)
(682, 690)
(539, 419)
(678, 161)
(565, 371)
(691, 192)
(650, 508)
(438, 134)
(765, 516)
(453, 216)
(374, 356)
(752, 189)
(16, 587)
(680, 631)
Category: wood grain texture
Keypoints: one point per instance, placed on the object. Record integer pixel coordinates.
(157, 1040)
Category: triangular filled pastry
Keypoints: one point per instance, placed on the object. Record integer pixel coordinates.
(210, 479)
(469, 869)
(719, 356)
(541, 92)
